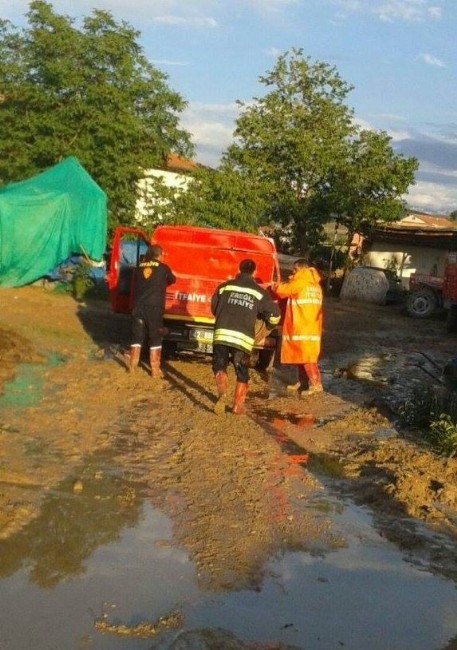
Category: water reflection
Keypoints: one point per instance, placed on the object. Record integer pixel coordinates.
(71, 525)
(363, 596)
(276, 423)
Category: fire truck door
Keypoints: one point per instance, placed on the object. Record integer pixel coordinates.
(129, 244)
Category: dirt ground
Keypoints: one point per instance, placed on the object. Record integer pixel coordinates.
(235, 487)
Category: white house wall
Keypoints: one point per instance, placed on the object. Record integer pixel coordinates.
(412, 259)
(170, 179)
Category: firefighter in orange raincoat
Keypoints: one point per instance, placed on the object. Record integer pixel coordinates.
(302, 326)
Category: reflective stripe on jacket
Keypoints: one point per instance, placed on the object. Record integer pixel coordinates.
(302, 326)
(237, 304)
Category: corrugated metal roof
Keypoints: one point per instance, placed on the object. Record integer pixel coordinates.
(428, 237)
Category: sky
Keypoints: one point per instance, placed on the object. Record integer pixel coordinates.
(400, 57)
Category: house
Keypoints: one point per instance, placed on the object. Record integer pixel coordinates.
(416, 244)
(176, 173)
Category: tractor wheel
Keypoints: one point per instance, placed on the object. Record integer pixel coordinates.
(421, 303)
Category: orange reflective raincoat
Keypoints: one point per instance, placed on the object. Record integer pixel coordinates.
(302, 327)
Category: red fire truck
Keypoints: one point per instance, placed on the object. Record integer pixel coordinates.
(201, 258)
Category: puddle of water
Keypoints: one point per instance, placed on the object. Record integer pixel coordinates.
(327, 465)
(362, 596)
(26, 388)
(138, 578)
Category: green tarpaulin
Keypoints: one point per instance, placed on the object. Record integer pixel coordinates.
(47, 218)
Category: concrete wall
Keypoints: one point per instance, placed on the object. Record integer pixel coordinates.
(412, 259)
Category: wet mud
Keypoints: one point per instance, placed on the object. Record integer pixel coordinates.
(83, 444)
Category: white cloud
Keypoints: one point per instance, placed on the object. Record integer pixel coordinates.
(436, 186)
(434, 12)
(348, 5)
(186, 21)
(436, 150)
(390, 116)
(431, 168)
(271, 5)
(215, 134)
(392, 10)
(230, 111)
(409, 10)
(169, 62)
(200, 13)
(432, 197)
(363, 124)
(155, 8)
(211, 126)
(398, 135)
(188, 13)
(273, 52)
(432, 60)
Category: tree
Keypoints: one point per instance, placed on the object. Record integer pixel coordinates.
(222, 198)
(453, 215)
(88, 92)
(289, 139)
(300, 146)
(367, 185)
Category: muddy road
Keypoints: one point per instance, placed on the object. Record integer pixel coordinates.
(84, 446)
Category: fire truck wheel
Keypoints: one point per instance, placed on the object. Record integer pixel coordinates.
(421, 303)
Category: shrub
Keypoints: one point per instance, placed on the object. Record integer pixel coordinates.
(442, 434)
(81, 280)
(434, 415)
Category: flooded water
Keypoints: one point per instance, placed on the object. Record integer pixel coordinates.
(104, 559)
(66, 571)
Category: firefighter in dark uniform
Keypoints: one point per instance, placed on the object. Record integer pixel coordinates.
(237, 304)
(152, 277)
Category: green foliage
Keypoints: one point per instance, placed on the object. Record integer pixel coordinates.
(287, 140)
(157, 201)
(368, 183)
(220, 199)
(325, 257)
(442, 434)
(298, 145)
(81, 280)
(416, 410)
(217, 199)
(453, 215)
(86, 91)
(435, 416)
(391, 264)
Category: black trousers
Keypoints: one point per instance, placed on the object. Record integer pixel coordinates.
(149, 326)
(225, 354)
